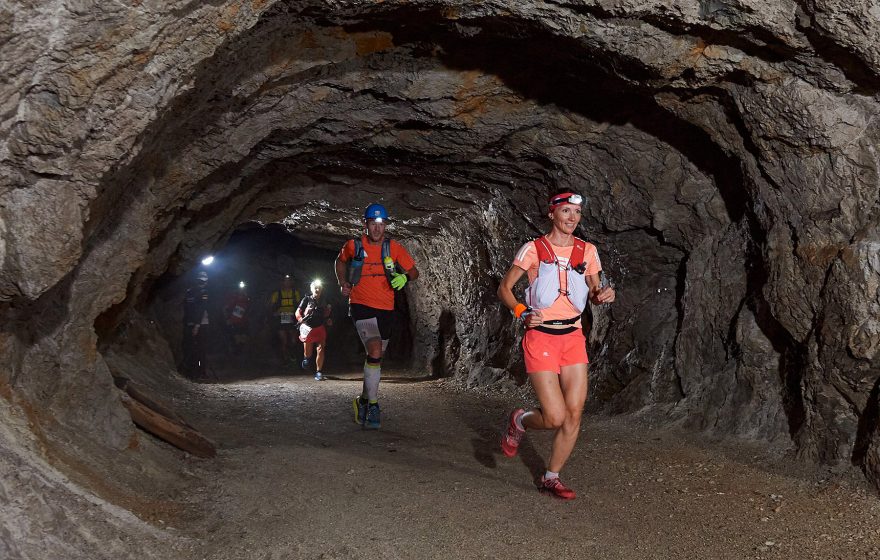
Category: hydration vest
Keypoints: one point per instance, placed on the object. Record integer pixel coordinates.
(547, 286)
(355, 267)
(286, 298)
(317, 315)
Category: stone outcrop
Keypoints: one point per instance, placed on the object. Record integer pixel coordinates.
(728, 150)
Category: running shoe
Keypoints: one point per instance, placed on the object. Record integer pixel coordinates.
(510, 440)
(305, 363)
(373, 422)
(360, 410)
(555, 487)
(319, 376)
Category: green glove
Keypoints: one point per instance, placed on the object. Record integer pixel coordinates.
(398, 281)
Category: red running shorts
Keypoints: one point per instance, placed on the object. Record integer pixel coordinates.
(318, 335)
(550, 352)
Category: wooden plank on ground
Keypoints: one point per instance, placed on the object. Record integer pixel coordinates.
(166, 429)
(135, 392)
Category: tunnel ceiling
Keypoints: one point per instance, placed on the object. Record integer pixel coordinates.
(727, 150)
(296, 118)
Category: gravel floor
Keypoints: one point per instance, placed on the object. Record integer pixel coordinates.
(296, 478)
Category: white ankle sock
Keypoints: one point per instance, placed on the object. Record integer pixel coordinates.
(518, 421)
(550, 474)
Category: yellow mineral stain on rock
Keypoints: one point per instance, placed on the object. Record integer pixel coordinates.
(850, 258)
(227, 21)
(713, 51)
(89, 349)
(141, 58)
(451, 13)
(35, 422)
(258, 4)
(363, 44)
(368, 43)
(698, 49)
(133, 442)
(321, 93)
(470, 103)
(819, 255)
(308, 41)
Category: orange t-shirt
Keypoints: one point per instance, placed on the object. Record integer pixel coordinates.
(527, 259)
(373, 289)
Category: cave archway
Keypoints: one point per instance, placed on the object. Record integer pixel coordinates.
(728, 155)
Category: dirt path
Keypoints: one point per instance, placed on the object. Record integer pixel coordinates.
(296, 478)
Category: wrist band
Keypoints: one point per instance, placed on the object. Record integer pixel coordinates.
(519, 310)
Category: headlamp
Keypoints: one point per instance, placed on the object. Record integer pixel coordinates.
(566, 198)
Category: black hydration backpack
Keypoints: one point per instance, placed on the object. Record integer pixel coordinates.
(356, 265)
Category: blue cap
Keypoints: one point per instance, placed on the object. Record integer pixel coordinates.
(375, 211)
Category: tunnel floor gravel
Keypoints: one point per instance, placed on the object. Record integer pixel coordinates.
(295, 477)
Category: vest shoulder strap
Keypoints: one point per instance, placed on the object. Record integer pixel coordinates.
(577, 254)
(545, 251)
(386, 252)
(546, 254)
(358, 249)
(357, 262)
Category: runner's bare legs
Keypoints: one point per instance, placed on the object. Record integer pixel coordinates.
(562, 397)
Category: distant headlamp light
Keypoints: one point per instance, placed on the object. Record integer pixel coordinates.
(316, 285)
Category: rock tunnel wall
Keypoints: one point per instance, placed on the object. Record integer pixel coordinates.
(728, 150)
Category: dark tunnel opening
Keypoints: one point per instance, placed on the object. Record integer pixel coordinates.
(247, 327)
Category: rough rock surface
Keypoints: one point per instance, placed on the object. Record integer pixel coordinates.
(728, 150)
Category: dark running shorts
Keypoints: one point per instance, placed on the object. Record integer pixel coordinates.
(367, 320)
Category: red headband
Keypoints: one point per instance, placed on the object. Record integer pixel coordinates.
(558, 200)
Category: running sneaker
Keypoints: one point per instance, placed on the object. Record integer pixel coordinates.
(555, 487)
(510, 440)
(305, 363)
(360, 410)
(373, 422)
(319, 376)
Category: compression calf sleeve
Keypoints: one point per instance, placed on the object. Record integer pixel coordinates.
(372, 373)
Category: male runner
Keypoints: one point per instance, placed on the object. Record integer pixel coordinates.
(368, 270)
